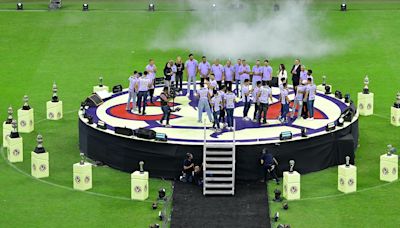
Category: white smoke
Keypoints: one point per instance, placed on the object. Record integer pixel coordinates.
(252, 32)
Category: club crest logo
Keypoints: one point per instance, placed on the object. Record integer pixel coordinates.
(87, 179)
(138, 189)
(293, 189)
(16, 152)
(42, 167)
(22, 123)
(361, 106)
(51, 115)
(369, 107)
(77, 179)
(385, 171)
(341, 181)
(394, 171)
(350, 182)
(59, 114)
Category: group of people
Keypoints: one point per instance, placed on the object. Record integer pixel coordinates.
(216, 94)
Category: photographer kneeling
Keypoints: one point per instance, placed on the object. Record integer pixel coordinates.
(164, 97)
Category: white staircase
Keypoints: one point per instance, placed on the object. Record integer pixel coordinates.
(219, 167)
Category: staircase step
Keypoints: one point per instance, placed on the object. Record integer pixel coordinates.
(218, 179)
(219, 152)
(219, 158)
(216, 185)
(219, 172)
(221, 166)
(218, 192)
(219, 146)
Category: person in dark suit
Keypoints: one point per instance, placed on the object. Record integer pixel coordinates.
(296, 74)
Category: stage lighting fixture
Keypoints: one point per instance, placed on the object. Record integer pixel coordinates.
(330, 126)
(277, 193)
(101, 125)
(85, 7)
(90, 119)
(285, 206)
(327, 90)
(161, 193)
(303, 132)
(276, 216)
(338, 94)
(347, 98)
(152, 7)
(340, 121)
(154, 205)
(161, 215)
(285, 135)
(162, 137)
(343, 7)
(20, 6)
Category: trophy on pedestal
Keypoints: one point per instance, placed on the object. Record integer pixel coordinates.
(39, 160)
(15, 146)
(390, 150)
(83, 159)
(100, 81)
(7, 127)
(14, 132)
(366, 82)
(347, 161)
(26, 104)
(10, 115)
(397, 103)
(291, 166)
(39, 148)
(54, 98)
(141, 164)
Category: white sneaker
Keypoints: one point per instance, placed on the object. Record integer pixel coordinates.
(167, 125)
(312, 118)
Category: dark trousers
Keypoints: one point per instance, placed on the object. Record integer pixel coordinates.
(228, 84)
(262, 110)
(142, 97)
(296, 81)
(246, 108)
(179, 79)
(285, 111)
(219, 84)
(256, 107)
(151, 93)
(166, 113)
(216, 119)
(229, 116)
(305, 111)
(202, 81)
(268, 171)
(222, 115)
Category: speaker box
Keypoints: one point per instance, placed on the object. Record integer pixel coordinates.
(123, 131)
(145, 133)
(117, 89)
(94, 100)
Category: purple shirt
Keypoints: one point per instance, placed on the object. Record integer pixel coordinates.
(303, 75)
(244, 76)
(191, 66)
(204, 69)
(229, 72)
(203, 92)
(230, 100)
(237, 68)
(267, 73)
(257, 70)
(133, 80)
(311, 89)
(217, 70)
(245, 89)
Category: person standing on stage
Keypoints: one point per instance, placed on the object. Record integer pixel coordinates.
(267, 72)
(132, 92)
(244, 71)
(309, 75)
(180, 67)
(168, 75)
(143, 86)
(222, 93)
(191, 71)
(217, 69)
(237, 76)
(257, 74)
(282, 74)
(296, 74)
(204, 69)
(255, 96)
(229, 101)
(311, 91)
(284, 99)
(263, 96)
(216, 102)
(164, 97)
(204, 104)
(212, 84)
(246, 98)
(229, 74)
(303, 73)
(173, 76)
(152, 70)
(299, 99)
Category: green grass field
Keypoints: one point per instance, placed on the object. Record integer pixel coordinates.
(73, 48)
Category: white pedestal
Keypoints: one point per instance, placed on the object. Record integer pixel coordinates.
(100, 89)
(140, 185)
(322, 88)
(7, 128)
(82, 176)
(395, 116)
(389, 167)
(365, 104)
(347, 178)
(54, 110)
(15, 149)
(40, 164)
(25, 121)
(291, 185)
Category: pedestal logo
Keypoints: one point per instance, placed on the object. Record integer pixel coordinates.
(30, 122)
(369, 106)
(385, 171)
(350, 182)
(16, 152)
(361, 106)
(341, 181)
(138, 189)
(59, 114)
(42, 167)
(394, 171)
(51, 115)
(87, 179)
(34, 167)
(77, 179)
(293, 189)
(22, 123)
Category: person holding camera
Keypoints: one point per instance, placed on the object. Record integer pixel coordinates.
(164, 97)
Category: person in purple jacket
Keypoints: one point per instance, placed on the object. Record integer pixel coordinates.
(191, 70)
(257, 74)
(217, 69)
(204, 69)
(267, 73)
(229, 74)
(237, 76)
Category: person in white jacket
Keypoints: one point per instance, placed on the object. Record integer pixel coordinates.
(282, 73)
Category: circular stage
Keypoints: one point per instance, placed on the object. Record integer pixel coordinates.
(320, 149)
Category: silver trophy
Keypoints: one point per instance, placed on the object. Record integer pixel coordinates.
(366, 82)
(324, 80)
(397, 103)
(291, 166)
(14, 131)
(26, 104)
(141, 164)
(54, 98)
(10, 115)
(83, 159)
(390, 150)
(39, 148)
(347, 161)
(100, 81)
